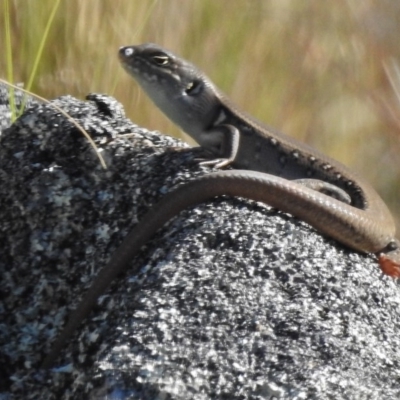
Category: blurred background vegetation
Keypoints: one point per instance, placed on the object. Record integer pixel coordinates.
(325, 73)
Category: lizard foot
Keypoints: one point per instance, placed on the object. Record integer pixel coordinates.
(217, 163)
(389, 266)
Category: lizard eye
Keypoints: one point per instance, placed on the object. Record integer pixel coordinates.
(193, 87)
(161, 60)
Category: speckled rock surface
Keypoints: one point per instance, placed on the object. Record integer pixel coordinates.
(20, 100)
(231, 300)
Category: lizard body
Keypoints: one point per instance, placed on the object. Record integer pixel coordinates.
(273, 168)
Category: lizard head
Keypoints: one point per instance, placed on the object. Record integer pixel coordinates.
(176, 86)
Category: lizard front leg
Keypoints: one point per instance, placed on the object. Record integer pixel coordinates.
(222, 143)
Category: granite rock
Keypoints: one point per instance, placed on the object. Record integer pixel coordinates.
(230, 300)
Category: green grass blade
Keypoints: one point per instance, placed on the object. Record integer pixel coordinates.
(41, 45)
(39, 53)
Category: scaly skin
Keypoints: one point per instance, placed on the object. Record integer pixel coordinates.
(277, 170)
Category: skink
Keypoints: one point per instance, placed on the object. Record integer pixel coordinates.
(272, 168)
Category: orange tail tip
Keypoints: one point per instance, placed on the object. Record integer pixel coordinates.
(388, 266)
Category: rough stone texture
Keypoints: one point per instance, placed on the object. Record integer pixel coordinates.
(21, 101)
(231, 300)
